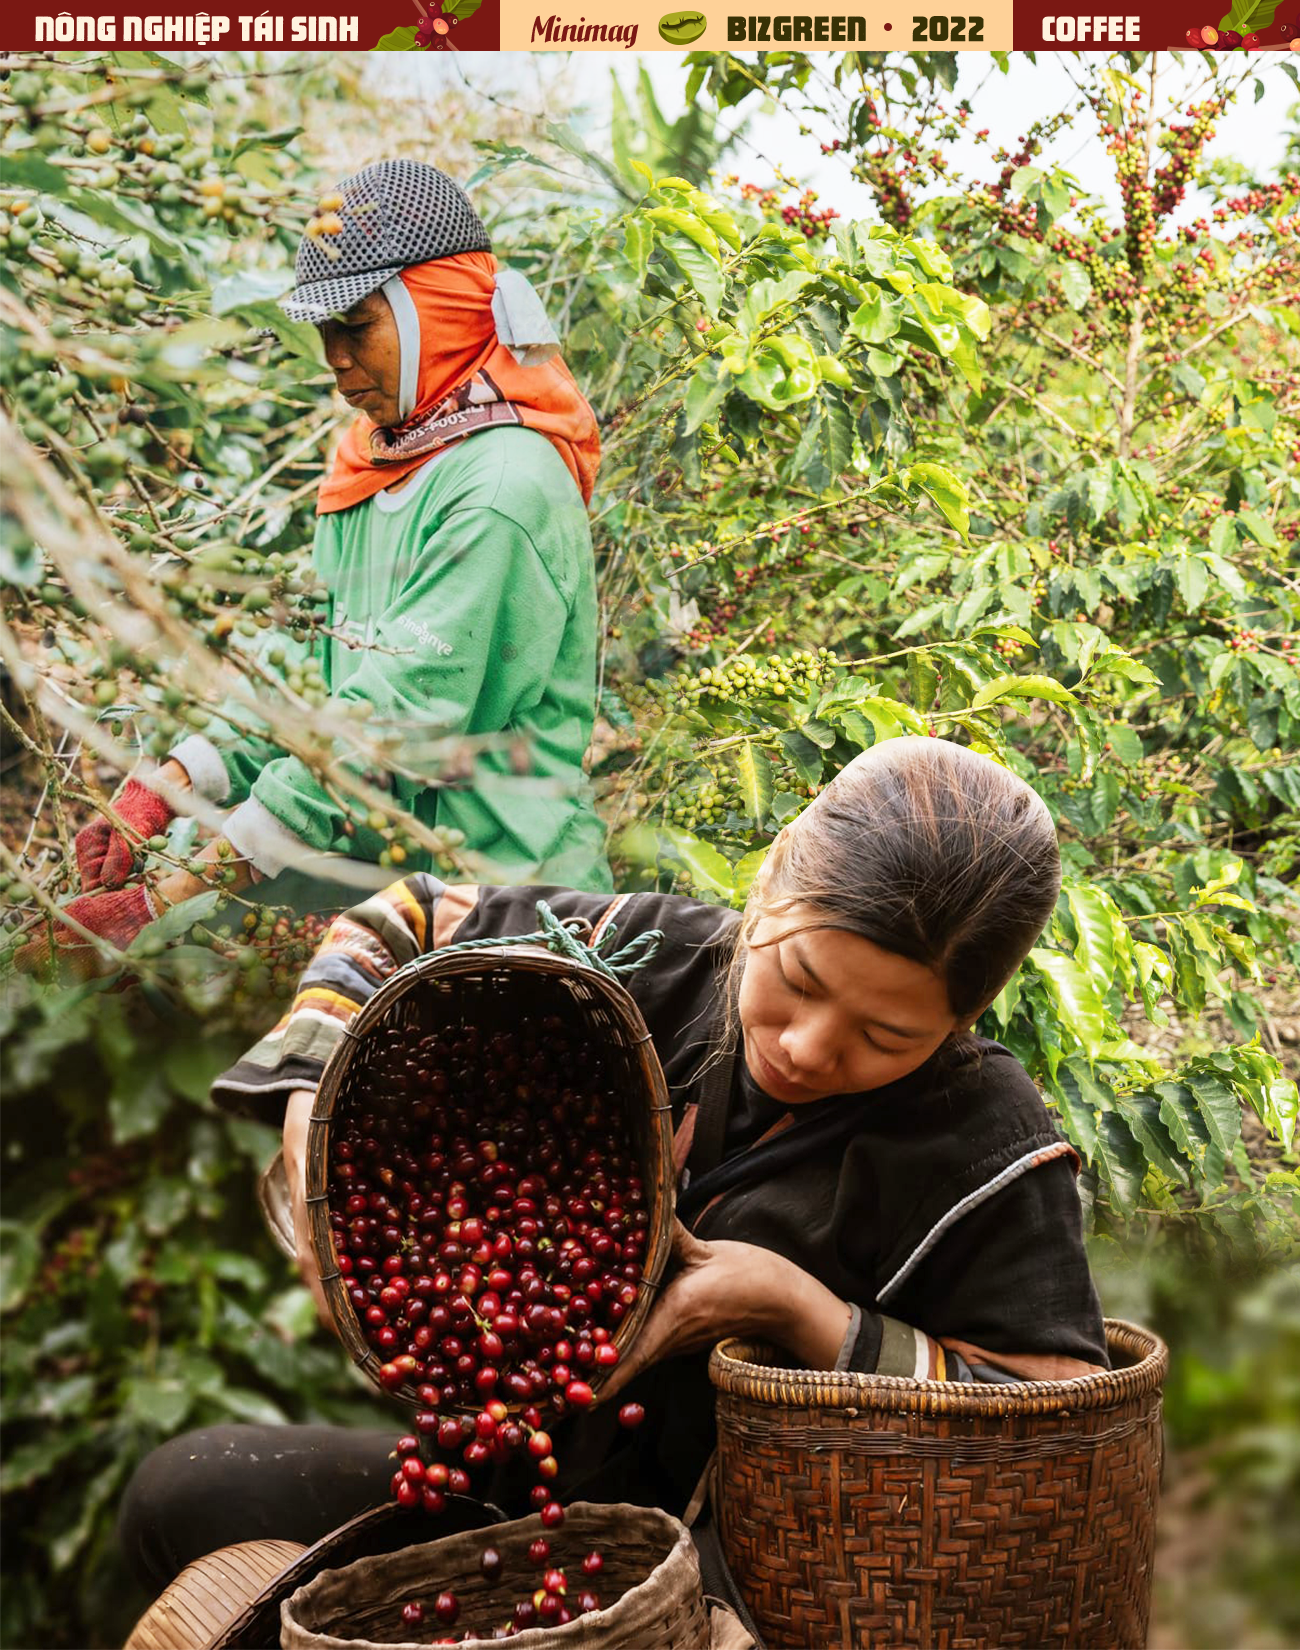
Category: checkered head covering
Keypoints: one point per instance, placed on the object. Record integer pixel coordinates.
(394, 214)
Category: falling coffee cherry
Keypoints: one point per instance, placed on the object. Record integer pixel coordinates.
(446, 1607)
(631, 1415)
(490, 1563)
(413, 1613)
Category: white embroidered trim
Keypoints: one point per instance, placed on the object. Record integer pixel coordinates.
(202, 761)
(972, 1200)
(611, 911)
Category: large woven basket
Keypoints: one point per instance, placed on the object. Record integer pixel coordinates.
(869, 1510)
(650, 1585)
(493, 988)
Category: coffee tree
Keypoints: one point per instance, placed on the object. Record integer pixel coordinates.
(1105, 604)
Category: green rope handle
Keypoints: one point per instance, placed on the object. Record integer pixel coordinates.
(559, 937)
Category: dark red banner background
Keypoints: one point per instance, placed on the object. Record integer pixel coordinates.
(477, 33)
(1162, 24)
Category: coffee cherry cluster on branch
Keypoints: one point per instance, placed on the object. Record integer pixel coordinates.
(801, 214)
(746, 678)
(270, 946)
(804, 216)
(490, 1225)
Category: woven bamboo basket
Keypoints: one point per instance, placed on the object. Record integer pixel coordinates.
(254, 1624)
(230, 1599)
(199, 1602)
(493, 988)
(650, 1588)
(869, 1510)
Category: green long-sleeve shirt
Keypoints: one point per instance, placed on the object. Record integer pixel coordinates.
(462, 603)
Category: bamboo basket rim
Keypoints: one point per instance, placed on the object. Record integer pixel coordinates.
(737, 1369)
(657, 1171)
(590, 1521)
(310, 1561)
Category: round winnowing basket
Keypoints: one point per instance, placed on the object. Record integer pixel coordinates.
(383, 1529)
(649, 1587)
(199, 1602)
(871, 1510)
(230, 1599)
(493, 989)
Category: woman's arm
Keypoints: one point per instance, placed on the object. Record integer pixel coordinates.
(726, 1288)
(222, 762)
(730, 1288)
(297, 1115)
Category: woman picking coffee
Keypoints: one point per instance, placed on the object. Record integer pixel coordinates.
(453, 545)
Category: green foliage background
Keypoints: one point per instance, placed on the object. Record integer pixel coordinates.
(987, 465)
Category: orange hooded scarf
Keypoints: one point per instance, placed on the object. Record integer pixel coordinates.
(468, 381)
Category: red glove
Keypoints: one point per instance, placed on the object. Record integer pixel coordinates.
(105, 857)
(116, 917)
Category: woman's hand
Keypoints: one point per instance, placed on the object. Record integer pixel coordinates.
(105, 855)
(116, 915)
(722, 1289)
(297, 1115)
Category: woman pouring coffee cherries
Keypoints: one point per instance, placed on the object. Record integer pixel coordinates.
(863, 1181)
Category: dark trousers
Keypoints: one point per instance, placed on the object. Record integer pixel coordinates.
(220, 1485)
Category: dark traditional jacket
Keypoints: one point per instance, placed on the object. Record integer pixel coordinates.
(942, 1205)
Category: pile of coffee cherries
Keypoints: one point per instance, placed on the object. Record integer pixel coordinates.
(552, 1603)
(490, 1225)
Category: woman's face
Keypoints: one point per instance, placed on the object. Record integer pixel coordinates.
(365, 356)
(827, 1012)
